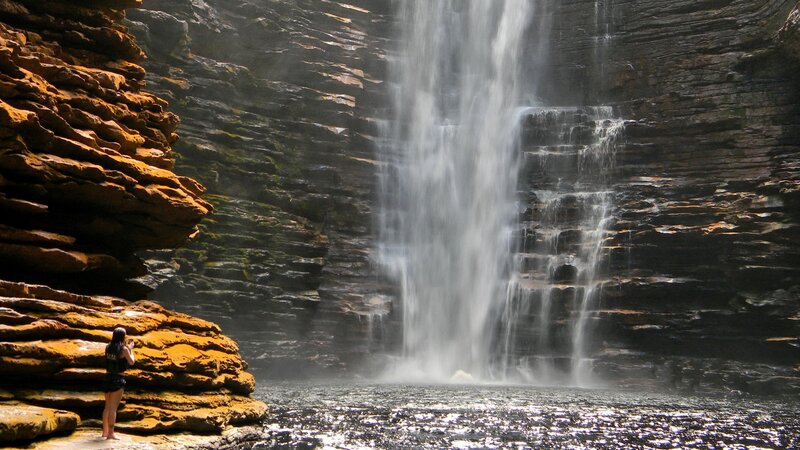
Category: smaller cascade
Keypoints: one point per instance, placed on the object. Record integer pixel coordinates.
(603, 35)
(545, 330)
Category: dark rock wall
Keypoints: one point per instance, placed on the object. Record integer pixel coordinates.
(279, 100)
(789, 36)
(704, 258)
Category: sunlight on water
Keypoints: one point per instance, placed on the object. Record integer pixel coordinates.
(397, 416)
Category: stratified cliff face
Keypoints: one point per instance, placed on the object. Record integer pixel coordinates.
(277, 99)
(84, 168)
(703, 280)
(85, 182)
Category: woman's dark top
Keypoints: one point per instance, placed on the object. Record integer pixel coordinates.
(115, 365)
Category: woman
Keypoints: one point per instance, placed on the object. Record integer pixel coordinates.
(119, 355)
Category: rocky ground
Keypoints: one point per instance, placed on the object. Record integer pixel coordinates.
(89, 439)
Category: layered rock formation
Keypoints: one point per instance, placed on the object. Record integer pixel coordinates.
(282, 100)
(85, 160)
(85, 183)
(188, 375)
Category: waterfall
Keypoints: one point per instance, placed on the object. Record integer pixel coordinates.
(452, 231)
(448, 191)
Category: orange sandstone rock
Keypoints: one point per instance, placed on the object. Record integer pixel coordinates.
(26, 422)
(84, 152)
(188, 376)
(72, 334)
(85, 182)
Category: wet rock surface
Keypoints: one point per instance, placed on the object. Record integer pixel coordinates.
(701, 276)
(789, 35)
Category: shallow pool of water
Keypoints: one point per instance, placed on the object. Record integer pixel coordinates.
(476, 416)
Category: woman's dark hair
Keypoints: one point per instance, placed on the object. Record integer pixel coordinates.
(114, 348)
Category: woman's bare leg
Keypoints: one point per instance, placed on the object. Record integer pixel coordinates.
(106, 410)
(115, 398)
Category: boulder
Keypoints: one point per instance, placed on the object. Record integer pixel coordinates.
(21, 422)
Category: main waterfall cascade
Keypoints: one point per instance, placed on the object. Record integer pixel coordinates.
(471, 257)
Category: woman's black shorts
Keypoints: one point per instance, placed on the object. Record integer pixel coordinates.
(113, 382)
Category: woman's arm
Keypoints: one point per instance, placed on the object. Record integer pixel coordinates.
(127, 352)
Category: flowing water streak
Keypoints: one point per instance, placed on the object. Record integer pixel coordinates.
(450, 170)
(603, 35)
(601, 156)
